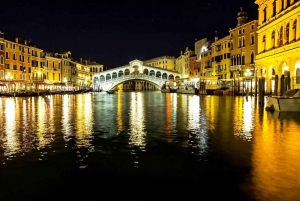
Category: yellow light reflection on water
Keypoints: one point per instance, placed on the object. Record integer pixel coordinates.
(248, 119)
(276, 167)
(137, 120)
(119, 112)
(11, 141)
(66, 119)
(84, 120)
(171, 111)
(193, 113)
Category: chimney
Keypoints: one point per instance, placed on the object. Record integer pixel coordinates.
(25, 42)
(216, 36)
(81, 60)
(17, 39)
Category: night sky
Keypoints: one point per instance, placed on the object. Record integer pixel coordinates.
(113, 33)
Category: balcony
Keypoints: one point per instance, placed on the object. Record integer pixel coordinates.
(236, 68)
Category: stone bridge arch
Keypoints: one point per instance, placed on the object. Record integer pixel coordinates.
(108, 79)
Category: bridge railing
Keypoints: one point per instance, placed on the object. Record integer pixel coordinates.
(139, 76)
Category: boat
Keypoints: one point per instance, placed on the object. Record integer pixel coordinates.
(187, 90)
(169, 87)
(110, 92)
(290, 101)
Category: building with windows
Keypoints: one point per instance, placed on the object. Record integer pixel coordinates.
(53, 68)
(278, 43)
(182, 64)
(164, 62)
(220, 50)
(2, 56)
(243, 49)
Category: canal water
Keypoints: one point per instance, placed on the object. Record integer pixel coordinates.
(145, 146)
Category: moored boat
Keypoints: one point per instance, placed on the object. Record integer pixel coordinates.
(290, 101)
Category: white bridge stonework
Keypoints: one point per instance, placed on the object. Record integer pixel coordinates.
(108, 79)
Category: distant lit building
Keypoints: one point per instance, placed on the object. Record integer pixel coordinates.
(243, 46)
(220, 50)
(53, 68)
(164, 62)
(278, 42)
(182, 62)
(2, 56)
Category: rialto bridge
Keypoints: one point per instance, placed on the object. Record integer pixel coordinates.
(109, 79)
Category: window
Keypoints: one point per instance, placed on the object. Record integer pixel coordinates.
(294, 29)
(252, 27)
(15, 67)
(264, 42)
(1, 47)
(252, 58)
(282, 5)
(288, 3)
(280, 40)
(264, 14)
(6, 55)
(273, 39)
(252, 39)
(14, 56)
(1, 60)
(7, 66)
(243, 42)
(274, 8)
(287, 32)
(240, 42)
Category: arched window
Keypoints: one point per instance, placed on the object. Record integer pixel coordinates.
(158, 74)
(146, 72)
(252, 58)
(108, 76)
(127, 72)
(273, 38)
(171, 77)
(164, 76)
(298, 76)
(114, 75)
(243, 59)
(287, 32)
(273, 72)
(152, 73)
(280, 40)
(264, 42)
(294, 29)
(120, 73)
(102, 78)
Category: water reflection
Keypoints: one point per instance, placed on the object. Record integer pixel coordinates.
(137, 120)
(11, 141)
(275, 157)
(171, 114)
(196, 125)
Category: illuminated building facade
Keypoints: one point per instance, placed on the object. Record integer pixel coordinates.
(18, 62)
(182, 62)
(194, 67)
(278, 42)
(2, 56)
(165, 62)
(220, 50)
(53, 68)
(243, 49)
